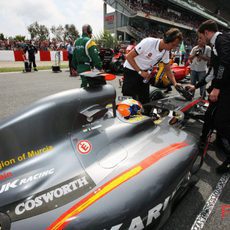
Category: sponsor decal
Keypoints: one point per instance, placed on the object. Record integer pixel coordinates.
(137, 118)
(88, 128)
(134, 119)
(50, 199)
(142, 222)
(5, 175)
(79, 47)
(225, 211)
(150, 55)
(34, 153)
(20, 182)
(24, 156)
(122, 98)
(84, 147)
(7, 163)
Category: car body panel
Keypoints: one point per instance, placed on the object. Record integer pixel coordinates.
(78, 164)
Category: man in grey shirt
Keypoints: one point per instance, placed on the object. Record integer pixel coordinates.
(199, 57)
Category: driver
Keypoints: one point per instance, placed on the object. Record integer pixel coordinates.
(129, 108)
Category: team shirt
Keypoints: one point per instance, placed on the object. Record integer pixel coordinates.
(148, 54)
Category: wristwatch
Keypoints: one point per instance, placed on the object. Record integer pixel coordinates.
(139, 72)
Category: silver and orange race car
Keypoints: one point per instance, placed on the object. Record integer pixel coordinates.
(71, 161)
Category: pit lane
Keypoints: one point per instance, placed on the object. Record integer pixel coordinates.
(18, 90)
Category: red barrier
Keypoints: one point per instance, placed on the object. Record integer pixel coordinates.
(65, 55)
(45, 55)
(18, 55)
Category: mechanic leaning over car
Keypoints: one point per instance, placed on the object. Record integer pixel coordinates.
(140, 61)
(220, 94)
(85, 54)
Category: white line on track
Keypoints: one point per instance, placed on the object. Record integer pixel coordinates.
(208, 207)
(20, 72)
(2, 73)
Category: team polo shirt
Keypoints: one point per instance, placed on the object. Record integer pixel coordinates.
(149, 54)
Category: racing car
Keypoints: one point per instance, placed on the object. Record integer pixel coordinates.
(159, 78)
(72, 161)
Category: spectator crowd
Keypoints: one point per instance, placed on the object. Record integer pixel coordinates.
(11, 44)
(163, 11)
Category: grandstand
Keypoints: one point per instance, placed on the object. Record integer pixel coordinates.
(141, 18)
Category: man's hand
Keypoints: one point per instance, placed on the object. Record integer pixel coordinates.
(170, 74)
(145, 74)
(213, 96)
(191, 88)
(177, 84)
(101, 71)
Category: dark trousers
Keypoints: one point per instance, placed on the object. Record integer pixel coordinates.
(134, 86)
(70, 56)
(208, 125)
(217, 117)
(197, 76)
(222, 115)
(32, 60)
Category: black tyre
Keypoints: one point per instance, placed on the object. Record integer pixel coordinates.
(156, 94)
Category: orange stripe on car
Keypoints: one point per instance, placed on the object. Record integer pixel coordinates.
(94, 196)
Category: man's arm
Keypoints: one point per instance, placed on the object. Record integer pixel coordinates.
(223, 48)
(36, 50)
(131, 59)
(169, 74)
(74, 59)
(192, 54)
(94, 55)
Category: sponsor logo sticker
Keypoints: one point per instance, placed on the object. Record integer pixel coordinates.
(150, 54)
(5, 176)
(11, 185)
(50, 198)
(84, 147)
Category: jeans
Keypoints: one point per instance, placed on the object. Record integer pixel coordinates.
(197, 76)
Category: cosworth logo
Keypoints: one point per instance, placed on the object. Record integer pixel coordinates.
(51, 198)
(19, 182)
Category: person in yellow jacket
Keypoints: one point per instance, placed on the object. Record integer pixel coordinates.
(85, 54)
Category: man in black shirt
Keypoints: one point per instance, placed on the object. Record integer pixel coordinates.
(32, 50)
(220, 93)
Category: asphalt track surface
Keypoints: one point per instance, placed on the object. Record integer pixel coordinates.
(17, 90)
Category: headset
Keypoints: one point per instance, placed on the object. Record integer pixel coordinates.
(171, 37)
(87, 28)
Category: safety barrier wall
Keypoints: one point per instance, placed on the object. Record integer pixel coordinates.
(17, 55)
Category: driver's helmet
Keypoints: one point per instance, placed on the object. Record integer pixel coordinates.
(129, 108)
